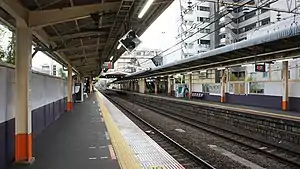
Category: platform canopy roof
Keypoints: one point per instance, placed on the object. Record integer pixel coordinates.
(83, 33)
(115, 74)
(270, 47)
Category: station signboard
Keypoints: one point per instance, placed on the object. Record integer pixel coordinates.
(260, 67)
(107, 65)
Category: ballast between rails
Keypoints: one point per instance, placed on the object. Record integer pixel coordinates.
(192, 155)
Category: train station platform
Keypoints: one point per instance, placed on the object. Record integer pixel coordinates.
(259, 111)
(78, 139)
(96, 134)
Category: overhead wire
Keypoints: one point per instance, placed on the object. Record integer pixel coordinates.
(220, 27)
(227, 12)
(224, 14)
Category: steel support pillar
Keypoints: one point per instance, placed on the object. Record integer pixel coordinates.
(169, 86)
(23, 124)
(270, 72)
(70, 100)
(223, 83)
(190, 86)
(285, 85)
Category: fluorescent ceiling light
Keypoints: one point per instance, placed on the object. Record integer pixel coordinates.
(119, 46)
(245, 65)
(145, 9)
(221, 68)
(111, 58)
(282, 60)
(202, 71)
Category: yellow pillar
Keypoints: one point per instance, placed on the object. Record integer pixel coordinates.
(285, 85)
(223, 83)
(190, 86)
(70, 101)
(23, 124)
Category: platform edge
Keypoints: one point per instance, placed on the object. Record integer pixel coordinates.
(124, 153)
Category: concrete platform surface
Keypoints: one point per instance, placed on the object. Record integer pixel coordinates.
(78, 140)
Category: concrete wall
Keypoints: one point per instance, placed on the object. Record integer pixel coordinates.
(47, 101)
(270, 98)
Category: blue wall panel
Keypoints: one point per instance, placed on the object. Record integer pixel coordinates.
(273, 102)
(7, 142)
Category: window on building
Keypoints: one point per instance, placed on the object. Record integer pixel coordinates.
(241, 19)
(264, 10)
(250, 27)
(202, 19)
(201, 30)
(54, 70)
(237, 10)
(205, 43)
(241, 30)
(202, 8)
(45, 67)
(250, 15)
(265, 21)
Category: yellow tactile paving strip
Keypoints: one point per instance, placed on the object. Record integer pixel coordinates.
(124, 153)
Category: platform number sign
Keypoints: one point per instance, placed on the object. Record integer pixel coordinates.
(260, 67)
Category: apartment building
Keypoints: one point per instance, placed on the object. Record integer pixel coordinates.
(140, 59)
(237, 24)
(192, 22)
(234, 24)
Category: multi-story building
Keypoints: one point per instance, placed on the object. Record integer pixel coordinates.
(237, 23)
(140, 59)
(234, 25)
(193, 23)
(51, 69)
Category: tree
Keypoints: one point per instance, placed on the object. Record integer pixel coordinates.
(10, 56)
(62, 74)
(7, 54)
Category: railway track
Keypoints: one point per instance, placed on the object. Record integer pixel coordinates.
(284, 155)
(185, 157)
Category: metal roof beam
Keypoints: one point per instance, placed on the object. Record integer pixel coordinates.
(87, 67)
(49, 17)
(78, 35)
(15, 9)
(79, 47)
(88, 55)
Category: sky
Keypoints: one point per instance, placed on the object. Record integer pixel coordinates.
(160, 35)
